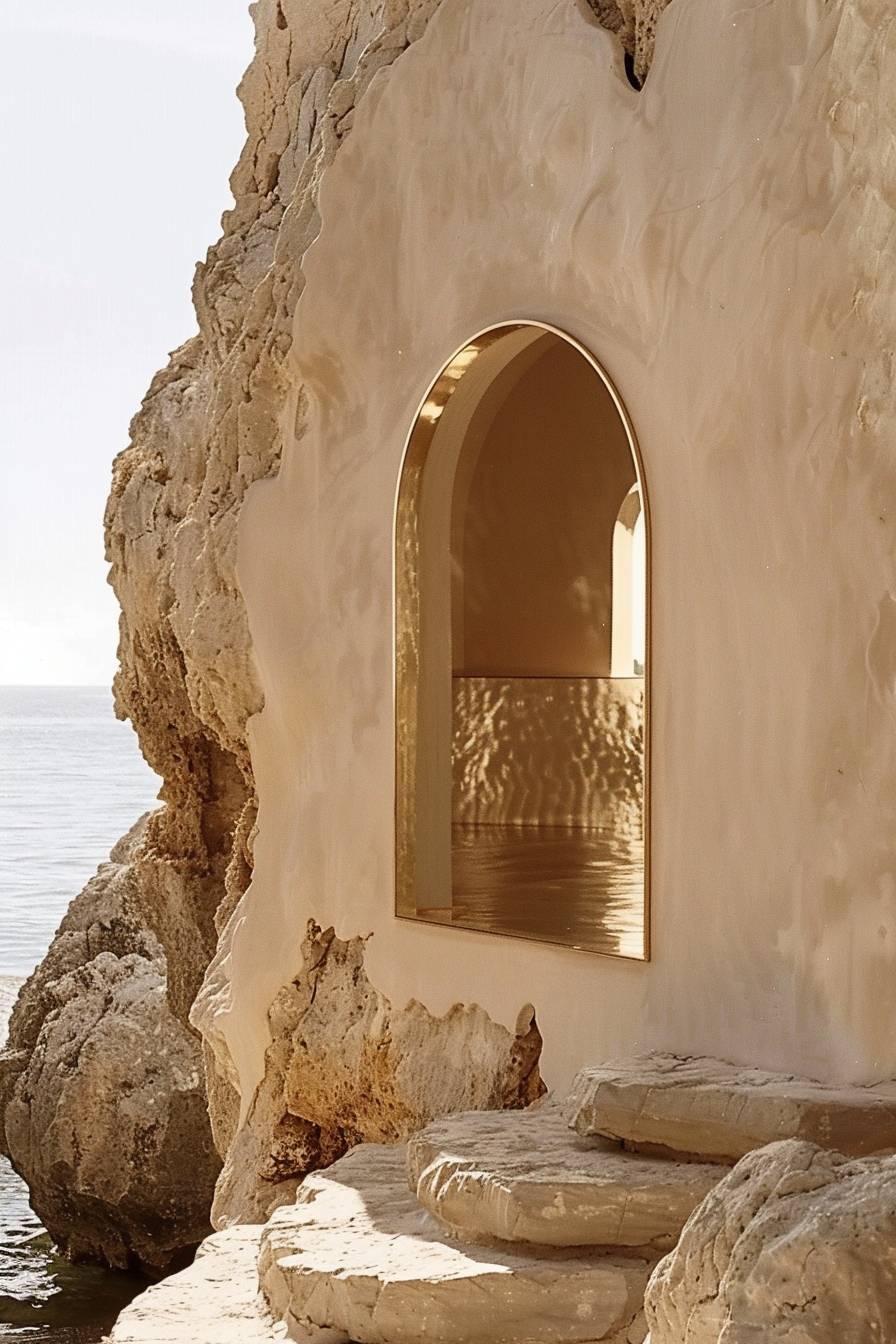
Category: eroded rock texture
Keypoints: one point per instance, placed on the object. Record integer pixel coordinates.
(208, 428)
(346, 1067)
(105, 917)
(529, 1178)
(796, 1244)
(101, 1088)
(634, 23)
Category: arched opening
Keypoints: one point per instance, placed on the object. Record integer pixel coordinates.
(521, 650)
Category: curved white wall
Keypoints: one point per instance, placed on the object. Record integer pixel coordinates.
(707, 241)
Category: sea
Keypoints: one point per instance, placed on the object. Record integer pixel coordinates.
(72, 781)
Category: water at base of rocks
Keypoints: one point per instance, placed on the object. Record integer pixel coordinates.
(43, 1297)
(72, 781)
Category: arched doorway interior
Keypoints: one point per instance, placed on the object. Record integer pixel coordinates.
(521, 576)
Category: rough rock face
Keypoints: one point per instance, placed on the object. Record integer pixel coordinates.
(101, 1088)
(720, 1111)
(105, 917)
(345, 1067)
(795, 1244)
(104, 1122)
(208, 428)
(634, 23)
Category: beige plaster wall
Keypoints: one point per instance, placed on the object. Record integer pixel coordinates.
(719, 242)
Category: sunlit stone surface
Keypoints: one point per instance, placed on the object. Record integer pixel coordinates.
(214, 1301)
(713, 1109)
(795, 1246)
(357, 1259)
(526, 1177)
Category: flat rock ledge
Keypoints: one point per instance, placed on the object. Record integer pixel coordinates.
(357, 1261)
(525, 1176)
(711, 1109)
(214, 1301)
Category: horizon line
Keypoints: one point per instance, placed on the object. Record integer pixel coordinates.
(55, 686)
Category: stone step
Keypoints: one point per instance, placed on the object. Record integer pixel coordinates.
(711, 1109)
(214, 1301)
(357, 1259)
(525, 1176)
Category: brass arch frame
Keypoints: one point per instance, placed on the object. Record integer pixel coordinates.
(406, 623)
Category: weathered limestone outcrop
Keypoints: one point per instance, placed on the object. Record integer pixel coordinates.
(214, 1301)
(107, 1120)
(721, 1111)
(101, 1090)
(634, 23)
(344, 1067)
(506, 1227)
(528, 1178)
(795, 1244)
(105, 917)
(209, 427)
(355, 1259)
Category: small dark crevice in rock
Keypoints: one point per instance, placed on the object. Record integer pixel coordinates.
(281, 17)
(633, 23)
(630, 75)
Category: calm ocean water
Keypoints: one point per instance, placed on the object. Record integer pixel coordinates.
(72, 781)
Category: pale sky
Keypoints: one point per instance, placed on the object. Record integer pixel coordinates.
(120, 127)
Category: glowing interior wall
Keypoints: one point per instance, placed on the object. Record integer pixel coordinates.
(536, 498)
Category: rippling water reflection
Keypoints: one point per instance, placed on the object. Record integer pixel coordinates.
(570, 885)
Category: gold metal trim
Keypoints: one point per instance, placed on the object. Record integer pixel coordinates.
(406, 617)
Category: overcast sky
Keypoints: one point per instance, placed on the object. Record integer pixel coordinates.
(120, 126)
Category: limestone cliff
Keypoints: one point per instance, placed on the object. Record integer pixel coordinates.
(342, 1062)
(207, 429)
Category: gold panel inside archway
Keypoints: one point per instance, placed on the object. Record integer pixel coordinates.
(522, 651)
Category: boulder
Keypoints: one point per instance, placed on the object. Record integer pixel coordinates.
(525, 1176)
(107, 1120)
(795, 1245)
(214, 1301)
(104, 917)
(357, 1259)
(720, 1111)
